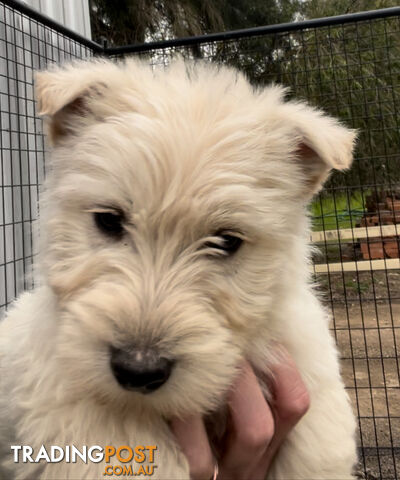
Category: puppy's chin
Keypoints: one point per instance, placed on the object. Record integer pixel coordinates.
(167, 403)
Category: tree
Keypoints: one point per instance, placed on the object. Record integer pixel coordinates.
(328, 8)
(124, 22)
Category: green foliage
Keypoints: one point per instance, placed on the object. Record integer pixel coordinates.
(238, 14)
(331, 212)
(352, 72)
(357, 286)
(124, 22)
(329, 8)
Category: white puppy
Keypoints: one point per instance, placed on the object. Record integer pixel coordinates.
(174, 244)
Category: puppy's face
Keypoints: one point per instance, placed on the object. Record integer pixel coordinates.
(173, 201)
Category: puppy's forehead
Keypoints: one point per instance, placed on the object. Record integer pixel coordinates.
(172, 155)
(174, 150)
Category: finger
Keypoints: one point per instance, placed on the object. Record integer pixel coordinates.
(252, 427)
(291, 402)
(291, 399)
(192, 438)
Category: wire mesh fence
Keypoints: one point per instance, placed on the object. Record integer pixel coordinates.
(26, 45)
(349, 66)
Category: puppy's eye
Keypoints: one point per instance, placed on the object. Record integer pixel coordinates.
(227, 243)
(110, 223)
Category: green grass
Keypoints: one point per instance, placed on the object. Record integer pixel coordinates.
(358, 286)
(330, 212)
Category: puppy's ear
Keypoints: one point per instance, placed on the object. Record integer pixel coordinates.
(321, 143)
(65, 96)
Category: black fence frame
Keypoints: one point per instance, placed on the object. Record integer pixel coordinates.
(385, 454)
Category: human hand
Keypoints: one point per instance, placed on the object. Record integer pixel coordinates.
(256, 429)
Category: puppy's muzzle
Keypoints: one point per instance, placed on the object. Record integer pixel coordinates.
(140, 370)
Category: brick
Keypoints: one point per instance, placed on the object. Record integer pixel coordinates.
(372, 251)
(393, 204)
(391, 248)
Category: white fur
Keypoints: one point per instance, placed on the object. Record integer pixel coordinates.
(185, 153)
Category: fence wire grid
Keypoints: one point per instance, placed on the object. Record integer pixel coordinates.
(347, 65)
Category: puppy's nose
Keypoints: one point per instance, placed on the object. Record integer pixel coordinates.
(140, 370)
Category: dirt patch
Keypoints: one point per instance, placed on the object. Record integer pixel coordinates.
(368, 337)
(359, 286)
